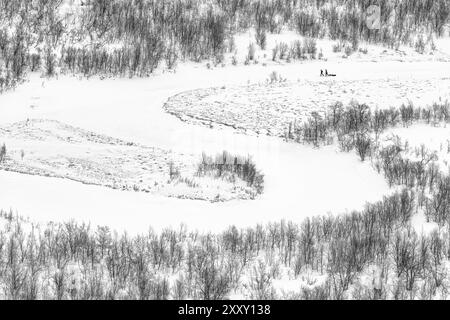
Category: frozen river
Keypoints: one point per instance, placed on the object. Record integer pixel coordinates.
(299, 181)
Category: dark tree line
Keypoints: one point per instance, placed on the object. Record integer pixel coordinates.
(352, 124)
(225, 163)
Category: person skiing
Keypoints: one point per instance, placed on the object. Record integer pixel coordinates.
(326, 73)
(321, 73)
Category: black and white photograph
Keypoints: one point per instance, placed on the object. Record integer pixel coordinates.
(252, 151)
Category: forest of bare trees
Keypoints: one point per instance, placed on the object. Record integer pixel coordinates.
(357, 128)
(131, 38)
(73, 261)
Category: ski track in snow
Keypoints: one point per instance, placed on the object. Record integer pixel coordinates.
(300, 180)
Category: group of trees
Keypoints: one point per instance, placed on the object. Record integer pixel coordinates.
(297, 50)
(226, 164)
(107, 37)
(2, 153)
(134, 37)
(400, 20)
(355, 124)
(358, 128)
(74, 261)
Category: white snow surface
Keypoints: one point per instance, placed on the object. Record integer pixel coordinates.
(299, 180)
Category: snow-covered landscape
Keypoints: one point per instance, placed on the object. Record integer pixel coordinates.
(271, 157)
